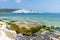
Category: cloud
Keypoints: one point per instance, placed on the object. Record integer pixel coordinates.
(18, 1)
(3, 0)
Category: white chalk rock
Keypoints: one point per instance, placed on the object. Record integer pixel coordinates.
(2, 25)
(6, 34)
(10, 33)
(3, 36)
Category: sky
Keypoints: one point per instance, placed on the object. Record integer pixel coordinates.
(38, 5)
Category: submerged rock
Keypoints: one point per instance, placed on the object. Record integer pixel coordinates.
(25, 27)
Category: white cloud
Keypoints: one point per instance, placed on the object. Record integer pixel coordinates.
(3, 0)
(18, 1)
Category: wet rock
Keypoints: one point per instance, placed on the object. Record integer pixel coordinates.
(25, 27)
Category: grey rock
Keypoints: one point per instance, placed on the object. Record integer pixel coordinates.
(37, 36)
(54, 35)
(20, 38)
(46, 36)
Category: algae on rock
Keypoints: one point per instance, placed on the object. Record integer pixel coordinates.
(25, 27)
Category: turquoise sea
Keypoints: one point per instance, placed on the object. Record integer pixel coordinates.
(44, 18)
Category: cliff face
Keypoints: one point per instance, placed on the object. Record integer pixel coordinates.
(18, 11)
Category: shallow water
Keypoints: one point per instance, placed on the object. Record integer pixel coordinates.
(44, 18)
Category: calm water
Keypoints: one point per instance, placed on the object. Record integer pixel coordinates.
(44, 18)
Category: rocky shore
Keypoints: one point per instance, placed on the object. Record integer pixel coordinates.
(25, 31)
(38, 36)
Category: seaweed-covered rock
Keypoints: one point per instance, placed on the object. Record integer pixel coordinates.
(25, 27)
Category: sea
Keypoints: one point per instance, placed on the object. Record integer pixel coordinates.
(49, 19)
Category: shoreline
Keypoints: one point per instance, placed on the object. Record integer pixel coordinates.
(44, 33)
